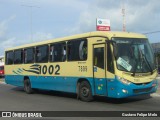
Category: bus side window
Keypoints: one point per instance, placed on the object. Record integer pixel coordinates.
(42, 53)
(18, 56)
(77, 50)
(29, 55)
(9, 57)
(51, 53)
(64, 52)
(83, 50)
(58, 52)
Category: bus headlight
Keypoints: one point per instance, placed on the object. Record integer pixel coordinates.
(124, 81)
(124, 91)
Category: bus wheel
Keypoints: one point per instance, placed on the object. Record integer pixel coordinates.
(27, 86)
(85, 92)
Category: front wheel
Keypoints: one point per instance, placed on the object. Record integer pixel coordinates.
(85, 92)
(27, 86)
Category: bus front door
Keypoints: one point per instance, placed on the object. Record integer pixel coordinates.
(99, 74)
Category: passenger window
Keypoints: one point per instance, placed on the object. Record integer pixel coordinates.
(18, 56)
(42, 54)
(9, 57)
(77, 50)
(58, 52)
(99, 57)
(29, 55)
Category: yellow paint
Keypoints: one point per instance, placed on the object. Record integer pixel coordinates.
(72, 68)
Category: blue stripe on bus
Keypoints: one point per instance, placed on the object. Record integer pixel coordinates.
(104, 87)
(66, 84)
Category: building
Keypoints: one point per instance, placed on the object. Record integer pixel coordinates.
(156, 49)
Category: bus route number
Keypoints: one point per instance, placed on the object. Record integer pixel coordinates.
(51, 69)
(82, 68)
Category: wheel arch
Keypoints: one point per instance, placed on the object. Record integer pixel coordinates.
(84, 79)
(25, 77)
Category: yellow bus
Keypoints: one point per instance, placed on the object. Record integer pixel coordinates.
(111, 64)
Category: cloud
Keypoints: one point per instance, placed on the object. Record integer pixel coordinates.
(6, 41)
(40, 36)
(12, 41)
(4, 25)
(77, 4)
(141, 15)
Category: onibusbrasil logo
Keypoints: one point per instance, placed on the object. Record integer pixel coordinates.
(100, 22)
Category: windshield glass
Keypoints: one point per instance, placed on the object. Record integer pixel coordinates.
(134, 55)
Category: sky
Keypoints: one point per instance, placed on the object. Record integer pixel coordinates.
(47, 19)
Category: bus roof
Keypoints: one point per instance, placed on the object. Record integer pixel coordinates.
(108, 34)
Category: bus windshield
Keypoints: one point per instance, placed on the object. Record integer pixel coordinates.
(134, 55)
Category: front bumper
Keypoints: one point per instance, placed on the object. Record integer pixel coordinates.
(117, 89)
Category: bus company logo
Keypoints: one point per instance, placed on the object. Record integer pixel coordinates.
(100, 22)
(38, 69)
(6, 114)
(21, 114)
(34, 69)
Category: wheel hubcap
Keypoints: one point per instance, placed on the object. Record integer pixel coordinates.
(85, 91)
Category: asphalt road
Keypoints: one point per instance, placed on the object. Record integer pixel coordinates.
(15, 99)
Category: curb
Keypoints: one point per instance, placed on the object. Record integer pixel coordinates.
(155, 94)
(158, 78)
(2, 83)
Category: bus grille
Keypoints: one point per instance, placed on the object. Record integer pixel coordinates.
(142, 83)
(136, 91)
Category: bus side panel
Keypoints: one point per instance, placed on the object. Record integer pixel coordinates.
(16, 80)
(64, 84)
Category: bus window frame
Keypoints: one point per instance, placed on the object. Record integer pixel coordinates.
(22, 59)
(83, 38)
(35, 53)
(34, 48)
(7, 59)
(52, 44)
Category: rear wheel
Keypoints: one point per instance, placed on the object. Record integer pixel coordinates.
(85, 92)
(27, 86)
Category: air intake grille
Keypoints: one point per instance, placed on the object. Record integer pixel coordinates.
(136, 91)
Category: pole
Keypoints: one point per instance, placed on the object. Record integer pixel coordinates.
(123, 16)
(31, 18)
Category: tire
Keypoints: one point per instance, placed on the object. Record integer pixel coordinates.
(85, 92)
(27, 86)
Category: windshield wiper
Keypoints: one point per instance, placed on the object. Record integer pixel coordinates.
(146, 61)
(144, 57)
(135, 68)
